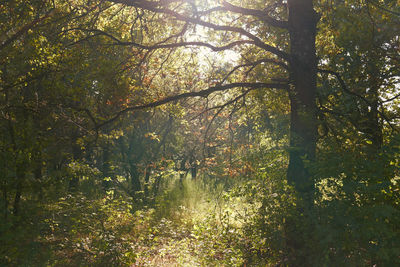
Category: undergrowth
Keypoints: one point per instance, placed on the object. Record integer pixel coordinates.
(192, 223)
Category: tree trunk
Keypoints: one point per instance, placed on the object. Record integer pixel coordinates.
(20, 180)
(106, 168)
(74, 181)
(38, 173)
(135, 179)
(182, 170)
(193, 171)
(303, 126)
(156, 185)
(147, 183)
(374, 124)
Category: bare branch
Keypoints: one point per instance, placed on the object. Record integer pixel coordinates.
(163, 46)
(345, 89)
(391, 99)
(203, 93)
(153, 6)
(223, 105)
(262, 15)
(254, 64)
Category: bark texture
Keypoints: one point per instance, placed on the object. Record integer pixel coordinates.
(303, 128)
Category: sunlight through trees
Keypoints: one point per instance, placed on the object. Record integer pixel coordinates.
(199, 133)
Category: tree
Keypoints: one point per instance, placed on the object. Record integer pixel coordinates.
(255, 28)
(299, 20)
(53, 86)
(71, 72)
(359, 129)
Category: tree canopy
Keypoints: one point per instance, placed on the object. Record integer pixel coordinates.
(115, 114)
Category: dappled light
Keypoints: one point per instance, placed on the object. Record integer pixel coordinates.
(199, 133)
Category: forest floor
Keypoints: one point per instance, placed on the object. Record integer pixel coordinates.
(192, 226)
(189, 224)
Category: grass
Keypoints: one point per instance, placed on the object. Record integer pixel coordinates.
(191, 228)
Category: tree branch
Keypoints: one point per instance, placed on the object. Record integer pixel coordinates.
(391, 99)
(263, 16)
(254, 64)
(377, 5)
(25, 29)
(345, 89)
(223, 105)
(164, 46)
(203, 93)
(153, 6)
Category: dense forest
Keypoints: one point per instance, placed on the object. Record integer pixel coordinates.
(200, 133)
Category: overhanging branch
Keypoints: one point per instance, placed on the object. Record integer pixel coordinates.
(345, 89)
(203, 93)
(154, 7)
(254, 64)
(263, 16)
(164, 46)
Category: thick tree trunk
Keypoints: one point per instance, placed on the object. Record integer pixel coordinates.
(303, 127)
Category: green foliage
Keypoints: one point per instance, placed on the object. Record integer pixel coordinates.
(85, 183)
(75, 231)
(358, 207)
